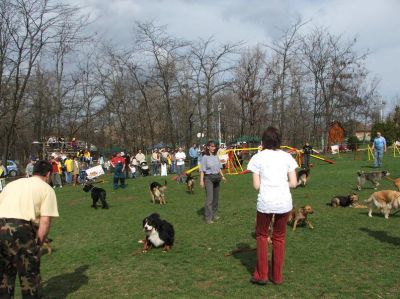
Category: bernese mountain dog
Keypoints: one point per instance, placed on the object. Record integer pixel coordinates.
(158, 233)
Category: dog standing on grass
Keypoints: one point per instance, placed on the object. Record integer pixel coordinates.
(299, 216)
(97, 194)
(157, 192)
(385, 201)
(190, 183)
(302, 177)
(373, 177)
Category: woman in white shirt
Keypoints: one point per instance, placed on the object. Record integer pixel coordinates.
(273, 176)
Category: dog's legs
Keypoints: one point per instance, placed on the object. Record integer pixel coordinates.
(309, 224)
(386, 212)
(295, 224)
(166, 248)
(152, 197)
(147, 246)
(104, 203)
(370, 212)
(94, 204)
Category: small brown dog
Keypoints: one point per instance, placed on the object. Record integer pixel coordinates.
(384, 200)
(299, 216)
(190, 184)
(157, 192)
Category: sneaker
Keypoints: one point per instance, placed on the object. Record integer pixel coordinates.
(216, 218)
(209, 222)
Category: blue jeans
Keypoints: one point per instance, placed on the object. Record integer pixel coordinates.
(68, 177)
(154, 166)
(378, 157)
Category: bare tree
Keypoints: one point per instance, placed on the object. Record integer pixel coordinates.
(165, 52)
(27, 26)
(285, 49)
(250, 77)
(211, 67)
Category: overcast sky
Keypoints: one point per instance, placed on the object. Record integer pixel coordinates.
(376, 23)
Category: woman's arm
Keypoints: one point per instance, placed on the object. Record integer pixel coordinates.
(222, 175)
(292, 177)
(201, 179)
(256, 181)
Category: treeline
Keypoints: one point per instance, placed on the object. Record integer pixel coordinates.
(55, 79)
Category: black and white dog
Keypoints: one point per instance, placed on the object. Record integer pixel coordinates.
(158, 233)
(97, 194)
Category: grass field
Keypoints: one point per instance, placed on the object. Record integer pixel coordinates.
(347, 255)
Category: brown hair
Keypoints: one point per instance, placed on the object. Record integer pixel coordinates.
(207, 150)
(271, 139)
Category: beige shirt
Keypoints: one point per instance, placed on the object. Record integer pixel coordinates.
(28, 199)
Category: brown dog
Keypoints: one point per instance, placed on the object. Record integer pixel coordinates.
(190, 184)
(157, 192)
(299, 216)
(385, 201)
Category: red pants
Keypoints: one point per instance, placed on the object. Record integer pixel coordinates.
(278, 245)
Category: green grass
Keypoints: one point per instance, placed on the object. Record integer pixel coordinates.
(347, 255)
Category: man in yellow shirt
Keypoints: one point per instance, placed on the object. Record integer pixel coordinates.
(69, 166)
(23, 203)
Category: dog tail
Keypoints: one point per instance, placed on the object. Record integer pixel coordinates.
(370, 199)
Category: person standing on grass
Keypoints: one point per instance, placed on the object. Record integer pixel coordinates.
(210, 177)
(180, 157)
(118, 163)
(379, 147)
(23, 204)
(273, 176)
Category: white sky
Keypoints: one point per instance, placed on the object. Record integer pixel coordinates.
(376, 24)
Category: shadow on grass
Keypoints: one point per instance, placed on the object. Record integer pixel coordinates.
(367, 166)
(382, 236)
(200, 212)
(246, 255)
(62, 285)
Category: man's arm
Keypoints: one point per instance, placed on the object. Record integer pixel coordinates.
(44, 227)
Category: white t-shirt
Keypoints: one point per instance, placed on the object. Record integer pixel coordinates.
(180, 158)
(273, 167)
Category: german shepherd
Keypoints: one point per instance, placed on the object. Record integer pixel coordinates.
(190, 183)
(157, 192)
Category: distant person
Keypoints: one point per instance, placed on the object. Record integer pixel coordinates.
(118, 163)
(29, 168)
(379, 147)
(25, 202)
(3, 170)
(180, 157)
(307, 152)
(140, 157)
(274, 172)
(194, 155)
